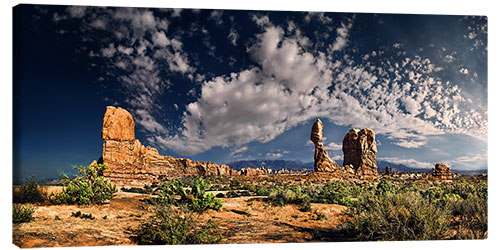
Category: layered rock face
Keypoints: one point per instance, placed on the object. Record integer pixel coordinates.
(322, 161)
(133, 164)
(442, 172)
(360, 152)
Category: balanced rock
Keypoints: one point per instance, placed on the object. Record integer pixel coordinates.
(118, 125)
(133, 164)
(360, 152)
(322, 161)
(442, 172)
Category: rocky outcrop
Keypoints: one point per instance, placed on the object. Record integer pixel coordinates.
(387, 170)
(442, 172)
(322, 161)
(255, 171)
(133, 164)
(360, 152)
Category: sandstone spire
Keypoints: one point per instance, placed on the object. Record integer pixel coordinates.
(322, 161)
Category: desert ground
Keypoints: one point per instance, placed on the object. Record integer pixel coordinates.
(241, 220)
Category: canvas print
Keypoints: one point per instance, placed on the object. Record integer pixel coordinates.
(138, 126)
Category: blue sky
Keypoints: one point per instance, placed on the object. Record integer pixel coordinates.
(228, 85)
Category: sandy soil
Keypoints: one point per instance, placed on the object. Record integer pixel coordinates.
(241, 220)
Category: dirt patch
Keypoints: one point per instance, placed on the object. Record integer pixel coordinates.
(241, 220)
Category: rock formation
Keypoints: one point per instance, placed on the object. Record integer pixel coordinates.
(387, 170)
(133, 164)
(442, 172)
(360, 152)
(255, 171)
(322, 161)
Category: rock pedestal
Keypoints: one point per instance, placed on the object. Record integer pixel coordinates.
(133, 164)
(322, 161)
(360, 152)
(442, 172)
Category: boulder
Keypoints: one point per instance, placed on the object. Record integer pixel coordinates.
(360, 151)
(322, 161)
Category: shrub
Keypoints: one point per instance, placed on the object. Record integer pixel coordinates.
(195, 197)
(384, 187)
(79, 214)
(292, 195)
(89, 188)
(336, 192)
(266, 191)
(145, 190)
(174, 226)
(22, 213)
(406, 216)
(29, 192)
(472, 213)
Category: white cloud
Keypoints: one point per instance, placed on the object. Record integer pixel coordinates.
(109, 51)
(176, 12)
(233, 36)
(341, 40)
(77, 11)
(337, 157)
(237, 152)
(410, 143)
(261, 20)
(333, 146)
(216, 16)
(412, 163)
(160, 39)
(412, 106)
(274, 155)
(464, 71)
(320, 16)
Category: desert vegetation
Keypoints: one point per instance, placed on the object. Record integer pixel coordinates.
(189, 210)
(177, 207)
(90, 187)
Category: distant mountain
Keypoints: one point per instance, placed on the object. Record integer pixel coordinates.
(398, 167)
(299, 165)
(272, 164)
(403, 168)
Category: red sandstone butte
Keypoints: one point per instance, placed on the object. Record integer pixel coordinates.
(133, 164)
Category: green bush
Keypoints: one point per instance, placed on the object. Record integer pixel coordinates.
(471, 217)
(336, 192)
(384, 187)
(29, 192)
(406, 216)
(145, 190)
(265, 191)
(175, 225)
(22, 213)
(79, 214)
(292, 195)
(89, 188)
(194, 197)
